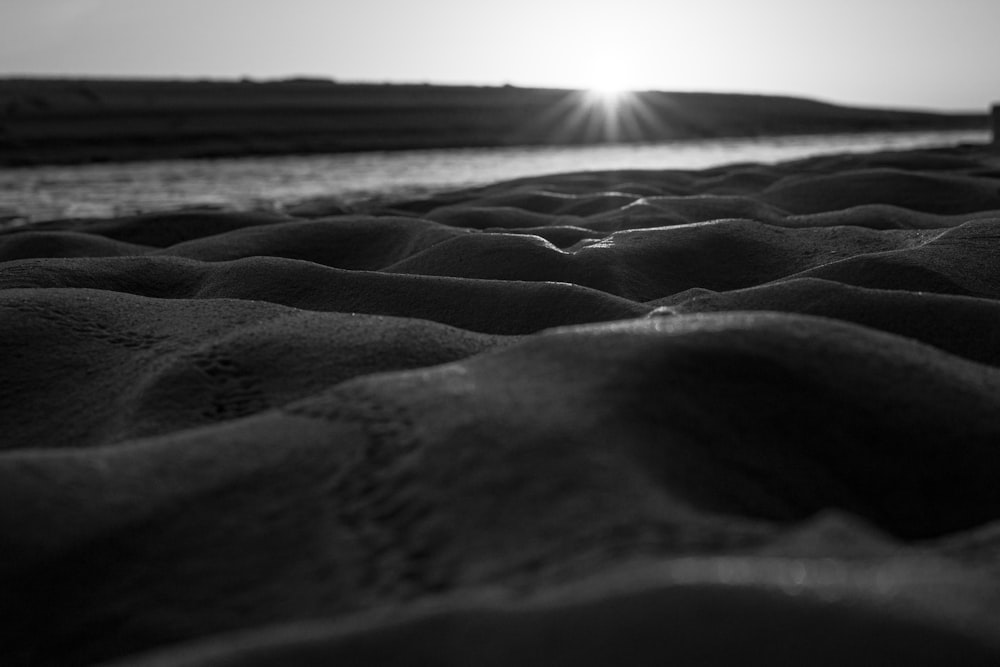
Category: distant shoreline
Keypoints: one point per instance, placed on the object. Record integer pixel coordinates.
(73, 121)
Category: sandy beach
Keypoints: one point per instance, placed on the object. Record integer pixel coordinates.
(747, 415)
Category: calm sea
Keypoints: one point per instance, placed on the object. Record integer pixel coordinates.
(271, 183)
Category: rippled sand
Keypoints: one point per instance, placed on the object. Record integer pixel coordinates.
(748, 415)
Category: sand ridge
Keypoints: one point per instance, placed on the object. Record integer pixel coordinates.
(744, 415)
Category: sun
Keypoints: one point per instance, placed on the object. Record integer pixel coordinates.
(607, 84)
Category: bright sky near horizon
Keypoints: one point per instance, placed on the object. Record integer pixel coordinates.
(901, 53)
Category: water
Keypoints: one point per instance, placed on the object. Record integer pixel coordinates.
(273, 183)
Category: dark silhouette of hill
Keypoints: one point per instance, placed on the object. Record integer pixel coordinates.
(44, 121)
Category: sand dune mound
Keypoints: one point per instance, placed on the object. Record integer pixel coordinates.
(748, 415)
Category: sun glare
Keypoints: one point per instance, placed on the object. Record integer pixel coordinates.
(611, 104)
(607, 78)
(608, 92)
(609, 97)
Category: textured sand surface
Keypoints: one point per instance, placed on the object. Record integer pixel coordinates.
(748, 415)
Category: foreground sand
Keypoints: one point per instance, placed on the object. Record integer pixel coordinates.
(749, 415)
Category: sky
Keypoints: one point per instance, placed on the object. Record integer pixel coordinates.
(929, 54)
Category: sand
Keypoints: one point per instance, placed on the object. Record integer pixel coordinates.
(748, 415)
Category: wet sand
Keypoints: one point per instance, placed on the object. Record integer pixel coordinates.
(747, 415)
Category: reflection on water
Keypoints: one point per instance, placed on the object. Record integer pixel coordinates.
(38, 193)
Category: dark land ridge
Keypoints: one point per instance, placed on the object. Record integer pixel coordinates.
(65, 121)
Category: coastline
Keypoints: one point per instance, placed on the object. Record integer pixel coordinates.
(314, 186)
